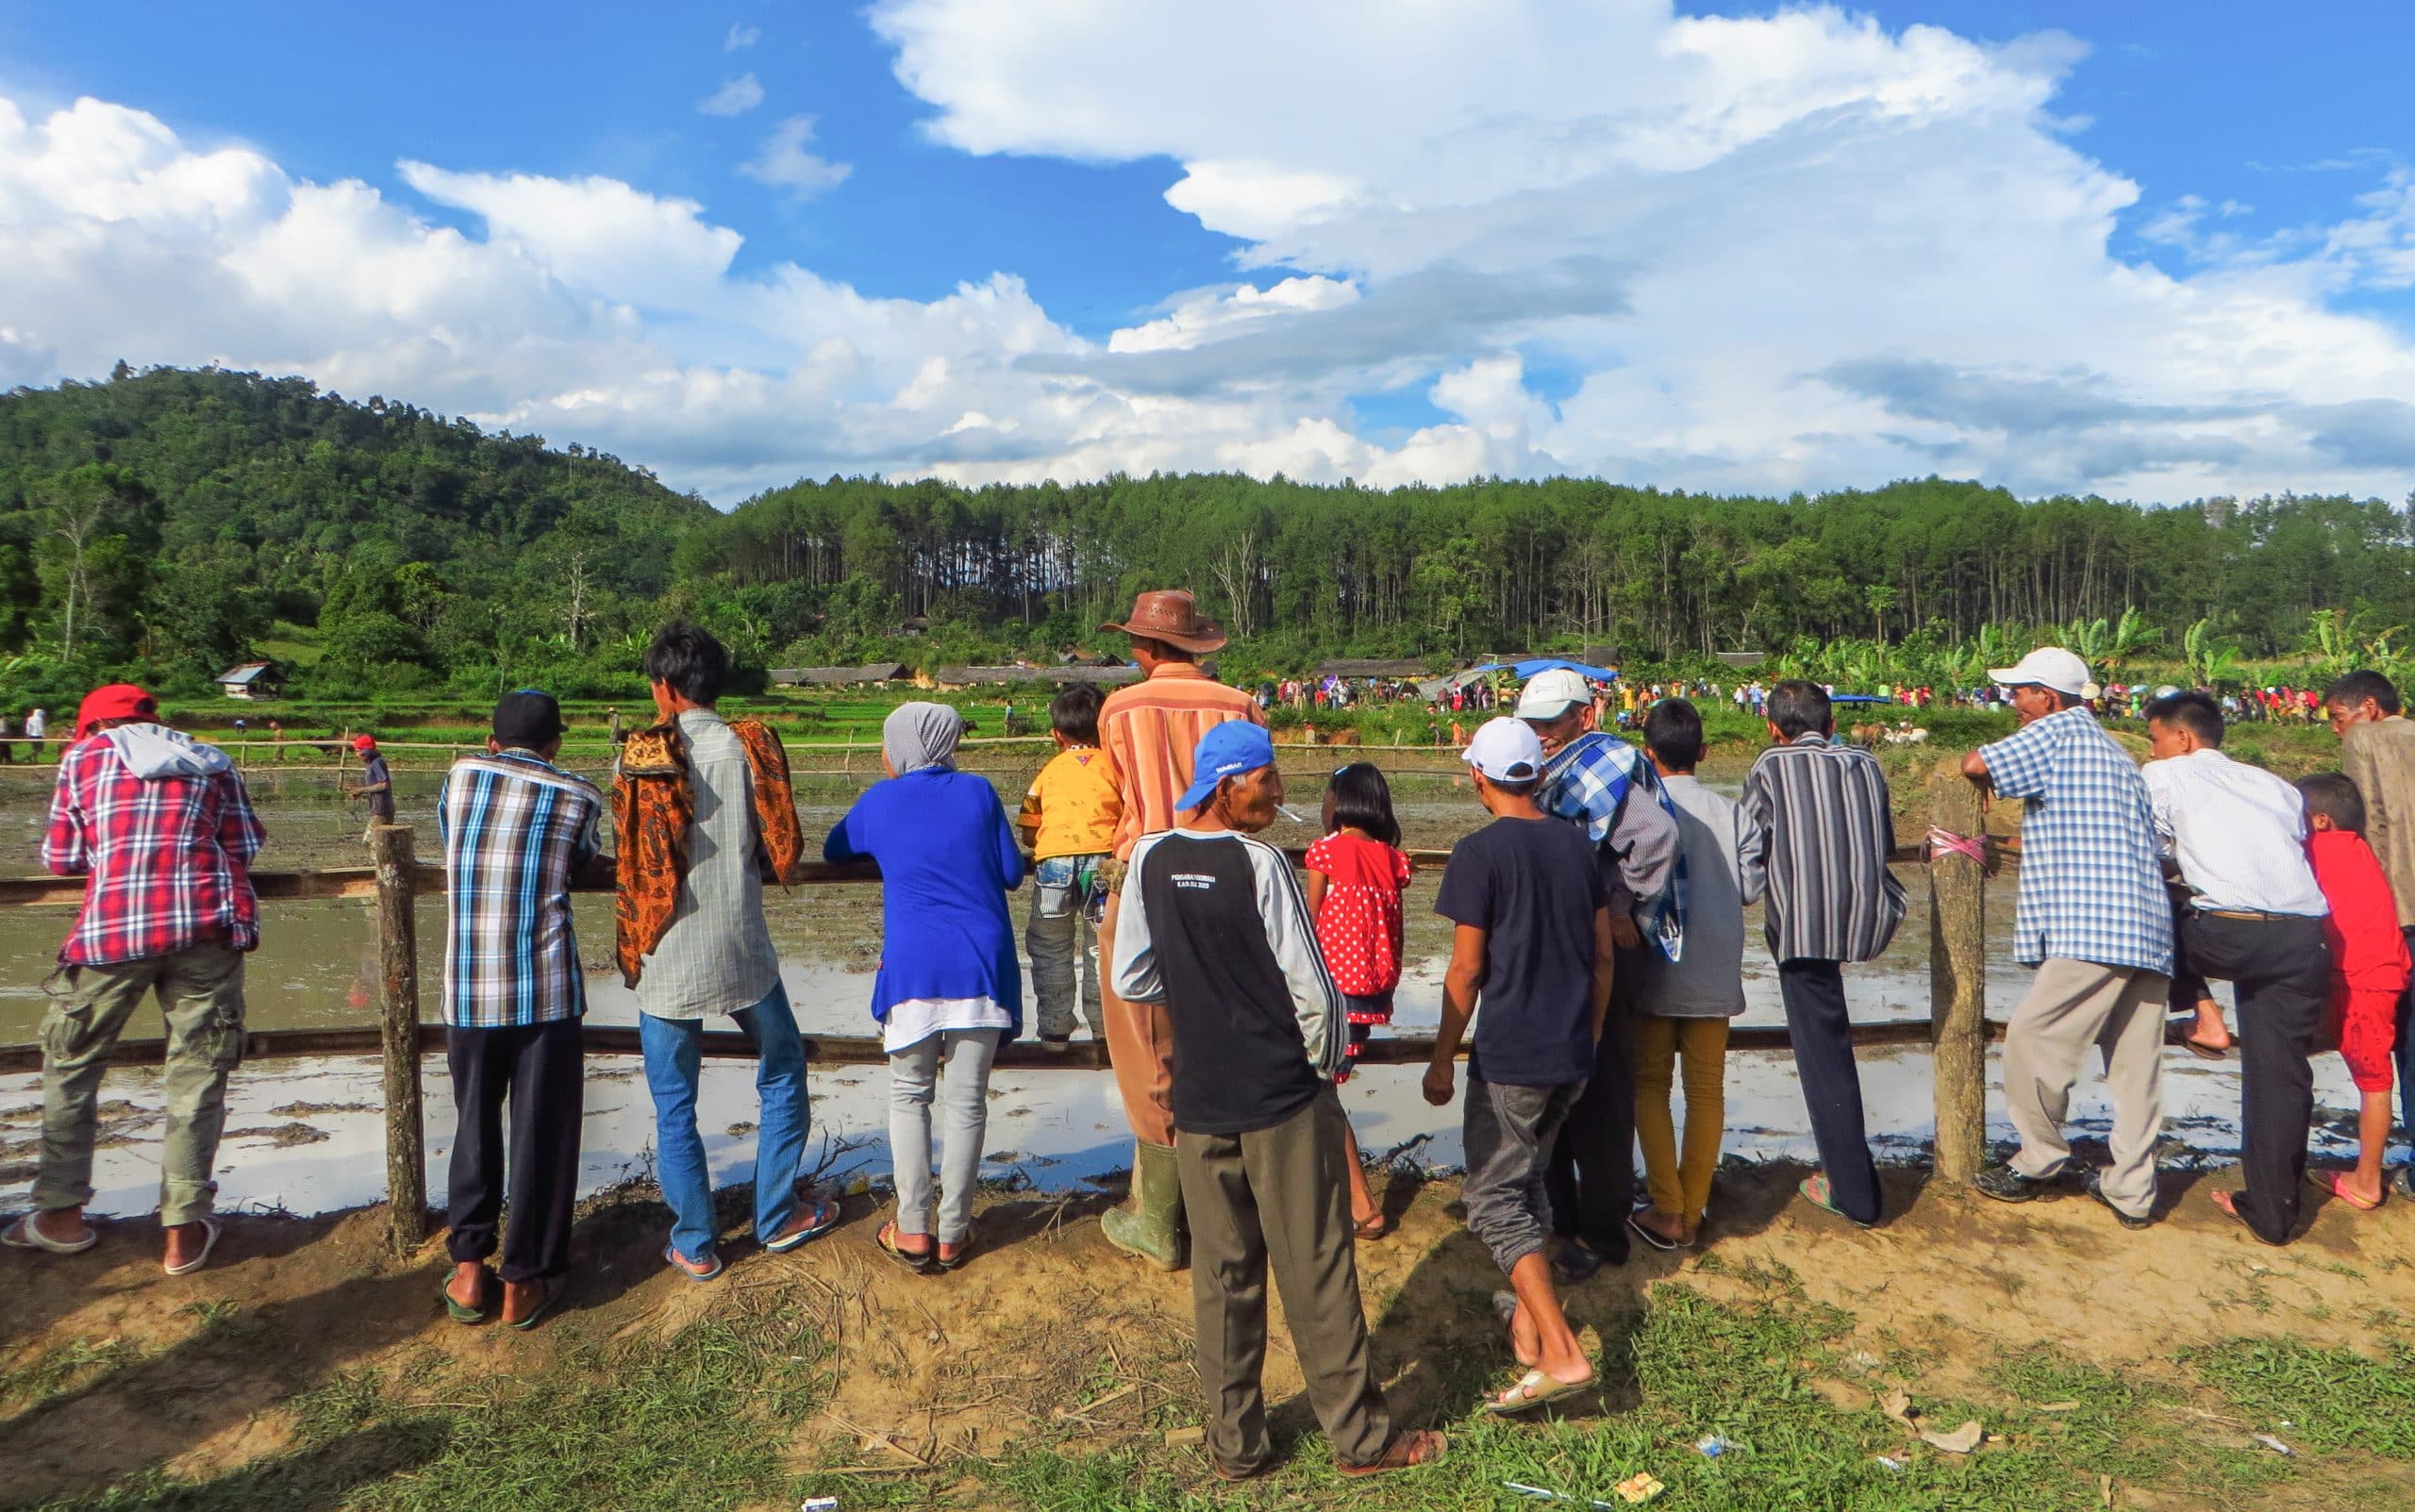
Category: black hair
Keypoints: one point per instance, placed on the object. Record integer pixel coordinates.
(2190, 710)
(1073, 713)
(1517, 790)
(2332, 795)
(1357, 797)
(1799, 709)
(1672, 732)
(2358, 685)
(688, 659)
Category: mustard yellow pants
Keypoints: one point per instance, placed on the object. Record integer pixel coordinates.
(1680, 1180)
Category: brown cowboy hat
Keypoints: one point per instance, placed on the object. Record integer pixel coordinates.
(1171, 615)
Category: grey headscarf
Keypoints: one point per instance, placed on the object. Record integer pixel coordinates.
(921, 734)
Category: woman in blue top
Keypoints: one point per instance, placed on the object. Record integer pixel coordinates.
(949, 988)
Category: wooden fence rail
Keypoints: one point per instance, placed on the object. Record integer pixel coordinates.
(1957, 1028)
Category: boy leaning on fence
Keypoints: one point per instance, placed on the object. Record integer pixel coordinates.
(164, 834)
(1068, 823)
(516, 830)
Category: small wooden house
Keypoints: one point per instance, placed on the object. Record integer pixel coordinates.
(253, 679)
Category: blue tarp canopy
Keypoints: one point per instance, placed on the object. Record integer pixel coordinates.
(1858, 698)
(1540, 664)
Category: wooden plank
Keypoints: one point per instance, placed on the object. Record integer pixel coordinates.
(1957, 967)
(858, 1050)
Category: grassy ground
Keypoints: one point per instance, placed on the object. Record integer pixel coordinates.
(309, 1372)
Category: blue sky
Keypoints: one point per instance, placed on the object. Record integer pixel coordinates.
(1431, 199)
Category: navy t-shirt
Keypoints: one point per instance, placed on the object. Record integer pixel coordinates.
(1532, 885)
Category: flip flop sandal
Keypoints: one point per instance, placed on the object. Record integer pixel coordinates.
(1373, 1229)
(1533, 1389)
(962, 1257)
(921, 1265)
(459, 1313)
(1652, 1236)
(672, 1257)
(1406, 1451)
(209, 1232)
(2242, 1218)
(2178, 1034)
(2329, 1180)
(22, 1234)
(826, 1218)
(1815, 1191)
(556, 1289)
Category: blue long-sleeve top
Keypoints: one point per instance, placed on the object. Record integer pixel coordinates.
(947, 861)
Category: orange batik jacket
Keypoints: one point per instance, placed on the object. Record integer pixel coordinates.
(652, 808)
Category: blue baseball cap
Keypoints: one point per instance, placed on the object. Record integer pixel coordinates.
(1227, 751)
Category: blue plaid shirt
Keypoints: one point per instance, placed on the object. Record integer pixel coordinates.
(515, 827)
(1583, 782)
(2091, 886)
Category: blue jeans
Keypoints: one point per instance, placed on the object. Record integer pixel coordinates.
(673, 1058)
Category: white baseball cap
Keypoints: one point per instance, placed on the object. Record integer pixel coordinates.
(2048, 667)
(1507, 750)
(1552, 692)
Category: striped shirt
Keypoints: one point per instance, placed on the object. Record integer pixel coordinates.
(1829, 829)
(1150, 729)
(2091, 888)
(514, 827)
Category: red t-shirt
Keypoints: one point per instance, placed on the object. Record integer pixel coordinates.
(1358, 924)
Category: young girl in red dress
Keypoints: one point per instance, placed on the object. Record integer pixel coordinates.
(1356, 875)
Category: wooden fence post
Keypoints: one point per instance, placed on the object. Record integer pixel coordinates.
(1957, 962)
(398, 1016)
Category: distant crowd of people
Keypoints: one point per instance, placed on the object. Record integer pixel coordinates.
(1598, 934)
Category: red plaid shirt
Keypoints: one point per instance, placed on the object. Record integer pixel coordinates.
(168, 858)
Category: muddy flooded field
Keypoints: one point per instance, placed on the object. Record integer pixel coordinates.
(305, 1135)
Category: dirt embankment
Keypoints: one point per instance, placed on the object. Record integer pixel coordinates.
(109, 1367)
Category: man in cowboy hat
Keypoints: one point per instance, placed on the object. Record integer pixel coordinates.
(1149, 731)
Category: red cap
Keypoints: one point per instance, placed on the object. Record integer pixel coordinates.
(117, 701)
(364, 742)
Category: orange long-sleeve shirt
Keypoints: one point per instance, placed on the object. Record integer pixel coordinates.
(1149, 730)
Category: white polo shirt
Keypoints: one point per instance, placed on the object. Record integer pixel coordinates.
(2238, 833)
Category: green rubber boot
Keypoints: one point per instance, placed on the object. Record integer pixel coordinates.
(1152, 1227)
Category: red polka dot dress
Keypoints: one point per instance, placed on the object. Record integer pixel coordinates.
(1359, 928)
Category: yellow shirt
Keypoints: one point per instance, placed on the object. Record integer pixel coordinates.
(1073, 806)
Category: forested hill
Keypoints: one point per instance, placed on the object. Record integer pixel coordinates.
(166, 523)
(186, 510)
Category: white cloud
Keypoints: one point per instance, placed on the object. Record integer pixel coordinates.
(735, 97)
(785, 164)
(740, 37)
(1793, 250)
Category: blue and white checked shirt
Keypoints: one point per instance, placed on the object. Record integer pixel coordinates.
(515, 827)
(1583, 782)
(2091, 886)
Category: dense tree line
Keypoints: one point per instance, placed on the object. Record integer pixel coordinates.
(169, 519)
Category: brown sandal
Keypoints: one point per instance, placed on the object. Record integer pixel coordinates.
(921, 1263)
(1406, 1451)
(1373, 1227)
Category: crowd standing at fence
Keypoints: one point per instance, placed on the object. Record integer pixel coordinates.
(1597, 944)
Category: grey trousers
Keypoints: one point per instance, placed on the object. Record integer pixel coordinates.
(1064, 950)
(1279, 1197)
(953, 1064)
(2071, 1006)
(201, 995)
(1508, 1133)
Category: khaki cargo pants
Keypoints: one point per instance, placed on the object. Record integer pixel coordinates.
(201, 994)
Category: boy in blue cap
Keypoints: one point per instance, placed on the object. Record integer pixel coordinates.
(1212, 923)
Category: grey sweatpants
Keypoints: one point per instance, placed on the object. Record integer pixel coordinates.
(2071, 1006)
(954, 1065)
(1064, 947)
(1508, 1133)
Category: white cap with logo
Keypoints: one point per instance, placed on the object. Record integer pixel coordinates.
(1552, 692)
(1507, 750)
(2048, 667)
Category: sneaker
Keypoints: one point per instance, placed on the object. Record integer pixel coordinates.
(2131, 1221)
(2406, 1180)
(2007, 1185)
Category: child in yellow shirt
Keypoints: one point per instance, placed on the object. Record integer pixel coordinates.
(1068, 822)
